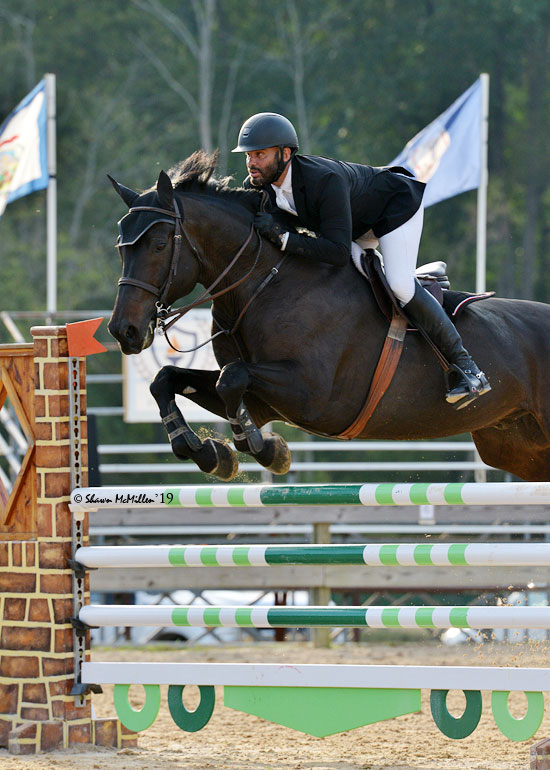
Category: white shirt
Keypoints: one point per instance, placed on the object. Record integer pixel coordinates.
(285, 200)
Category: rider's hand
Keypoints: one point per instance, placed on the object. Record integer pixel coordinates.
(269, 228)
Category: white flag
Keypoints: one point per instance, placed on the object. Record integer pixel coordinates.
(23, 148)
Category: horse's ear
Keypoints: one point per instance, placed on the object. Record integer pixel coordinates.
(165, 190)
(127, 195)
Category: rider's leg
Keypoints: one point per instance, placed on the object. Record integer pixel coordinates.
(425, 310)
(400, 251)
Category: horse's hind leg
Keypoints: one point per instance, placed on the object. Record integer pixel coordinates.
(519, 447)
(211, 456)
(269, 449)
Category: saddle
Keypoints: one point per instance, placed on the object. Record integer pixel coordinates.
(433, 278)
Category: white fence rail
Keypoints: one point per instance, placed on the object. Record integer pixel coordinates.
(310, 464)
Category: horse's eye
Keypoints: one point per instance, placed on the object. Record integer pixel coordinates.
(160, 245)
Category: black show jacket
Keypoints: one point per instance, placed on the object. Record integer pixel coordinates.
(341, 201)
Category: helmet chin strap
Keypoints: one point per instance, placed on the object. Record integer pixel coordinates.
(282, 164)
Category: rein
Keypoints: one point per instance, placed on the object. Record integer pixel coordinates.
(163, 310)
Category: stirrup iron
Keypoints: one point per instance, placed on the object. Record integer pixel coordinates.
(469, 386)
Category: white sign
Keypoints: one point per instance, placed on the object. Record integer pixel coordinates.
(139, 371)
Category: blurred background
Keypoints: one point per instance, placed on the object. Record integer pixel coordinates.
(143, 83)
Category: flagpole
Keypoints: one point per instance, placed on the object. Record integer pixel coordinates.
(480, 476)
(481, 250)
(51, 233)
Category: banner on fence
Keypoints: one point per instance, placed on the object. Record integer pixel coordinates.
(139, 371)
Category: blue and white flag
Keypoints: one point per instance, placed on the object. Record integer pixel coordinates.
(23, 150)
(447, 153)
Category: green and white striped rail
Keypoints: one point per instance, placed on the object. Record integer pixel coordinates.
(390, 555)
(97, 615)
(258, 495)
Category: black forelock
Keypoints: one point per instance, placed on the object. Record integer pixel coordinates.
(195, 174)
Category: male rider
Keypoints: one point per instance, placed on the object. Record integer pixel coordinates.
(351, 206)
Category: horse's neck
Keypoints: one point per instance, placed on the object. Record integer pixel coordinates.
(221, 233)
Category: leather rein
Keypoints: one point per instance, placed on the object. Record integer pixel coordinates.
(164, 311)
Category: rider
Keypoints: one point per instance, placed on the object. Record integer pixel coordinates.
(349, 207)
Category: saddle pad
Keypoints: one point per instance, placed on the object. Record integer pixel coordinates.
(454, 302)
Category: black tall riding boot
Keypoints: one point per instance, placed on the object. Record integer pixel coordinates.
(428, 314)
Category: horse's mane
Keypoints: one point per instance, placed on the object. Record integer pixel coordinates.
(195, 174)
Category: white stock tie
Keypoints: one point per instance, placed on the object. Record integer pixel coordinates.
(283, 202)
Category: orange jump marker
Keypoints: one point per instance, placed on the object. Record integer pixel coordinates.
(81, 340)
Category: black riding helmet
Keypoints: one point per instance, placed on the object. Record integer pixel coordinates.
(267, 129)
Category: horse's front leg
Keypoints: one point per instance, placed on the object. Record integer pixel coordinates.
(211, 456)
(269, 449)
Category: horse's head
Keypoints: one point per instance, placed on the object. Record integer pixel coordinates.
(158, 264)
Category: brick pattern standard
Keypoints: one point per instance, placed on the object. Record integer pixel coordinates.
(37, 711)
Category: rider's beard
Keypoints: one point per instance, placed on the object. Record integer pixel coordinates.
(269, 175)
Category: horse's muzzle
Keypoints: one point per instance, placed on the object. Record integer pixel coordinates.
(130, 338)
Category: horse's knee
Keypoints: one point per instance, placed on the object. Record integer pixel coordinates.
(163, 385)
(232, 383)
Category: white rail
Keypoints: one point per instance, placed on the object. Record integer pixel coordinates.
(311, 674)
(310, 464)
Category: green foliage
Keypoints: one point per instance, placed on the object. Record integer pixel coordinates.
(142, 84)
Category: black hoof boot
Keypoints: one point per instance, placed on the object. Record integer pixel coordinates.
(275, 454)
(217, 459)
(246, 435)
(183, 440)
(470, 383)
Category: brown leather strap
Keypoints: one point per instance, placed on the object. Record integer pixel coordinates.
(383, 375)
(206, 296)
(272, 273)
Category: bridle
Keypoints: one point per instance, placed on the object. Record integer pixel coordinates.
(162, 292)
(165, 316)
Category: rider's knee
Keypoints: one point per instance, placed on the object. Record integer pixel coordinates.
(403, 287)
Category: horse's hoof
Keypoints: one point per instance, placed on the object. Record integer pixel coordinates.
(180, 448)
(227, 465)
(275, 455)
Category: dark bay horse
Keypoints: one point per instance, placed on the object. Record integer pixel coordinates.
(307, 345)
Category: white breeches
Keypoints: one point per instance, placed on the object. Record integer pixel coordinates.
(400, 252)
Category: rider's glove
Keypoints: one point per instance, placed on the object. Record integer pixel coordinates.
(269, 228)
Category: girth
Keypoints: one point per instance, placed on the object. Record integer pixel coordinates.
(391, 350)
